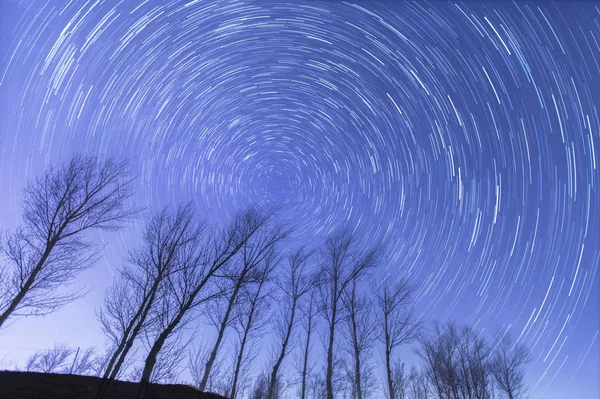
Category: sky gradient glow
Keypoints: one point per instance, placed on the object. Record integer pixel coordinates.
(465, 135)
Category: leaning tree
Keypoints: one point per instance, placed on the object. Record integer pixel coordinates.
(49, 250)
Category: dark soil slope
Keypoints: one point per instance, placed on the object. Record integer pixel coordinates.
(21, 385)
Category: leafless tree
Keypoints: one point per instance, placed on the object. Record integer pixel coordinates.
(400, 380)
(191, 288)
(309, 312)
(220, 377)
(197, 359)
(316, 386)
(294, 284)
(261, 387)
(169, 360)
(63, 360)
(341, 263)
(397, 323)
(253, 252)
(49, 250)
(359, 334)
(201, 350)
(439, 356)
(508, 361)
(457, 363)
(52, 360)
(84, 362)
(474, 358)
(418, 386)
(170, 244)
(252, 312)
(409, 383)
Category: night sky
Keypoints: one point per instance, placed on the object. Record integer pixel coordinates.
(465, 135)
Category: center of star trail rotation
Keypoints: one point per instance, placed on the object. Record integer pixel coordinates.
(465, 135)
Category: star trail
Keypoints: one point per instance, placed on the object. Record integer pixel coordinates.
(463, 134)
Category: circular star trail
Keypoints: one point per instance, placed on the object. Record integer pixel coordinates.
(464, 135)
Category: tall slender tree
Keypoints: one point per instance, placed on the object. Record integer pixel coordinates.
(189, 290)
(342, 262)
(359, 333)
(294, 284)
(252, 253)
(397, 324)
(309, 312)
(170, 245)
(251, 314)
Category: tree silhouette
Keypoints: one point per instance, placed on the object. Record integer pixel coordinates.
(341, 263)
(253, 252)
(49, 250)
(457, 363)
(508, 360)
(191, 288)
(169, 245)
(251, 313)
(397, 326)
(294, 284)
(63, 360)
(359, 334)
(309, 315)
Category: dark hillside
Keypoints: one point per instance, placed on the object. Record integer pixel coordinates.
(25, 385)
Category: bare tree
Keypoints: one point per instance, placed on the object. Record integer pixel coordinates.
(359, 334)
(397, 324)
(457, 363)
(252, 253)
(220, 377)
(295, 283)
(63, 360)
(197, 360)
(54, 360)
(169, 360)
(474, 365)
(438, 354)
(171, 238)
(418, 386)
(400, 380)
(341, 263)
(316, 386)
(49, 250)
(508, 361)
(251, 313)
(260, 388)
(309, 314)
(191, 288)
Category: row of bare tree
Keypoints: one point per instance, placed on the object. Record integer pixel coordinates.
(224, 291)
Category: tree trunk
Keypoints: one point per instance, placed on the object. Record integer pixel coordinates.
(388, 360)
(329, 375)
(213, 354)
(131, 332)
(137, 327)
(388, 369)
(357, 376)
(306, 352)
(158, 345)
(240, 355)
(273, 380)
(355, 345)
